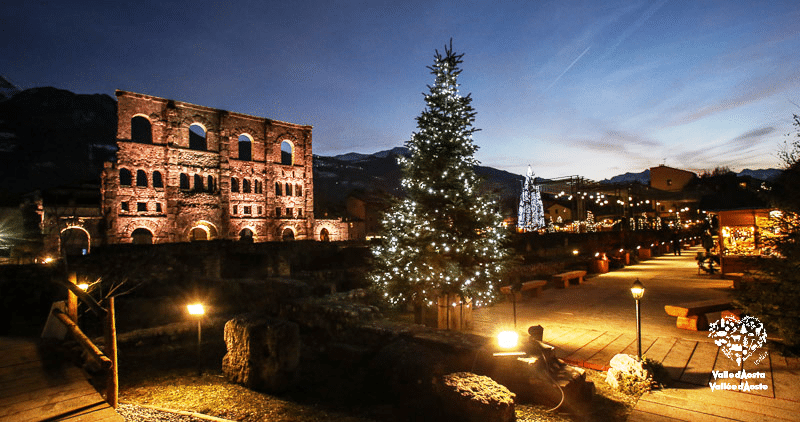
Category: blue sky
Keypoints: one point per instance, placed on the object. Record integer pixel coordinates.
(590, 88)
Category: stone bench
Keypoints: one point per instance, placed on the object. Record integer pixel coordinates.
(535, 285)
(564, 278)
(692, 315)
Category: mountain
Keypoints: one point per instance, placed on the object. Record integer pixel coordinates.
(764, 174)
(643, 178)
(354, 156)
(51, 137)
(7, 89)
(336, 178)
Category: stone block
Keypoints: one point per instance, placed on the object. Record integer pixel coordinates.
(469, 397)
(263, 353)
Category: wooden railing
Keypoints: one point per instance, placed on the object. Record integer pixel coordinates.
(107, 359)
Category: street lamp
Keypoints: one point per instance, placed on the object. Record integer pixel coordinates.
(637, 290)
(197, 310)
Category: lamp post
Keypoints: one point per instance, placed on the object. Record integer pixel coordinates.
(197, 310)
(637, 290)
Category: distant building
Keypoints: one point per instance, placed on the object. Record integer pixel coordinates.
(558, 210)
(670, 179)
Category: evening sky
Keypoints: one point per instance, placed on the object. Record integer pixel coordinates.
(590, 88)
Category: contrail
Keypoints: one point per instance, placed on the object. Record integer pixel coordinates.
(568, 68)
(636, 25)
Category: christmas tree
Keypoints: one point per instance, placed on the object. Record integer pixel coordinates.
(531, 211)
(444, 237)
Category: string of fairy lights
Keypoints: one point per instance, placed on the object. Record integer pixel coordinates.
(443, 237)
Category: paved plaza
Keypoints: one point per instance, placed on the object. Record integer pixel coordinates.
(604, 301)
(590, 323)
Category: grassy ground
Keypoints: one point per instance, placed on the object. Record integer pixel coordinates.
(165, 375)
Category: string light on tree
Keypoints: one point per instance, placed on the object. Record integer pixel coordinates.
(530, 216)
(443, 237)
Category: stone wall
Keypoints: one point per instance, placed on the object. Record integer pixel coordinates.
(181, 189)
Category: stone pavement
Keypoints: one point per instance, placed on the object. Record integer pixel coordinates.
(590, 323)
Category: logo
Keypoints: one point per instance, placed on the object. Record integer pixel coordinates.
(739, 338)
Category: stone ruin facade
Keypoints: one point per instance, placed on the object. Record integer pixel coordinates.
(186, 173)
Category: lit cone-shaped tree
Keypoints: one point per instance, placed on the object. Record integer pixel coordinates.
(444, 237)
(531, 211)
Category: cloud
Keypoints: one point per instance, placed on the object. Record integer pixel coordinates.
(738, 150)
(748, 138)
(759, 89)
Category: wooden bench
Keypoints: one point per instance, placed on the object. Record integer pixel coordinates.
(692, 315)
(535, 285)
(564, 278)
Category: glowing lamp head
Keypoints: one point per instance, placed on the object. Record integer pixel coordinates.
(507, 339)
(637, 289)
(48, 260)
(575, 252)
(83, 286)
(196, 309)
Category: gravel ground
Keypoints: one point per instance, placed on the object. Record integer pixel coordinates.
(134, 413)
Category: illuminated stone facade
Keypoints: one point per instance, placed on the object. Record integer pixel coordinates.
(186, 172)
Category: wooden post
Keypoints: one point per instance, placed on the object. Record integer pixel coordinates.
(72, 299)
(112, 381)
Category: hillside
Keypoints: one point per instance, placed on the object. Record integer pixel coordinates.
(337, 177)
(51, 137)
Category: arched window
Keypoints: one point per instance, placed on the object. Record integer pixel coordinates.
(287, 234)
(278, 189)
(324, 235)
(158, 182)
(185, 181)
(125, 177)
(197, 137)
(198, 183)
(288, 189)
(142, 236)
(298, 190)
(245, 186)
(234, 184)
(245, 147)
(287, 153)
(141, 179)
(246, 236)
(211, 183)
(141, 130)
(257, 186)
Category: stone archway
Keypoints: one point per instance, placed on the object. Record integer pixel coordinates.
(287, 234)
(246, 235)
(324, 235)
(74, 241)
(198, 234)
(142, 236)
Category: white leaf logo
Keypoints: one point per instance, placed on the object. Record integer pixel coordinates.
(738, 339)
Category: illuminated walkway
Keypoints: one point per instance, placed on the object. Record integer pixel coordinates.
(590, 323)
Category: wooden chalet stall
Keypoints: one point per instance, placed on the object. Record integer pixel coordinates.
(741, 237)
